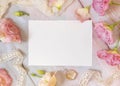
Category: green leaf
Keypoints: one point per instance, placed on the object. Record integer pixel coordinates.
(35, 75)
(41, 72)
(20, 13)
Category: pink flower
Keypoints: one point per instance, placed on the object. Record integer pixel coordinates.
(9, 32)
(5, 78)
(101, 6)
(104, 32)
(111, 57)
(83, 14)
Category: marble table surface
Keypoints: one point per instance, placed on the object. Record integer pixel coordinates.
(68, 14)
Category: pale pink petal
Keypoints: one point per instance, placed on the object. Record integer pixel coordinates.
(83, 14)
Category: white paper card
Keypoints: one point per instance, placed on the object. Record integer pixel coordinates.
(60, 43)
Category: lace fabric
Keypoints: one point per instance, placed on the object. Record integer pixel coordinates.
(16, 59)
(88, 75)
(97, 76)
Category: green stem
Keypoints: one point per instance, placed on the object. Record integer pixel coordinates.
(113, 3)
(117, 46)
(88, 7)
(35, 75)
(112, 26)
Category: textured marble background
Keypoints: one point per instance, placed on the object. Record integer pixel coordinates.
(111, 16)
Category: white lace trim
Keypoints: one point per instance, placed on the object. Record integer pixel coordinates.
(96, 75)
(17, 59)
(88, 75)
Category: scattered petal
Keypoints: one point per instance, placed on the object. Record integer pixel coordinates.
(83, 14)
(71, 74)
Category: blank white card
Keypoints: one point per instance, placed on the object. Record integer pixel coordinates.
(60, 43)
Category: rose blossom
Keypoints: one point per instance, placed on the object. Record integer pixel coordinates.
(104, 32)
(100, 6)
(112, 57)
(48, 79)
(83, 14)
(9, 32)
(56, 5)
(5, 79)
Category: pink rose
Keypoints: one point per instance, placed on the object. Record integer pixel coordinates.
(111, 57)
(9, 31)
(83, 14)
(5, 78)
(100, 6)
(104, 32)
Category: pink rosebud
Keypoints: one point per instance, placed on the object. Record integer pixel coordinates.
(9, 32)
(104, 32)
(83, 14)
(101, 6)
(5, 78)
(112, 57)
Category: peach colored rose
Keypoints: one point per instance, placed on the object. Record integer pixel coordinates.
(101, 6)
(110, 56)
(5, 78)
(83, 14)
(104, 32)
(9, 32)
(48, 79)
